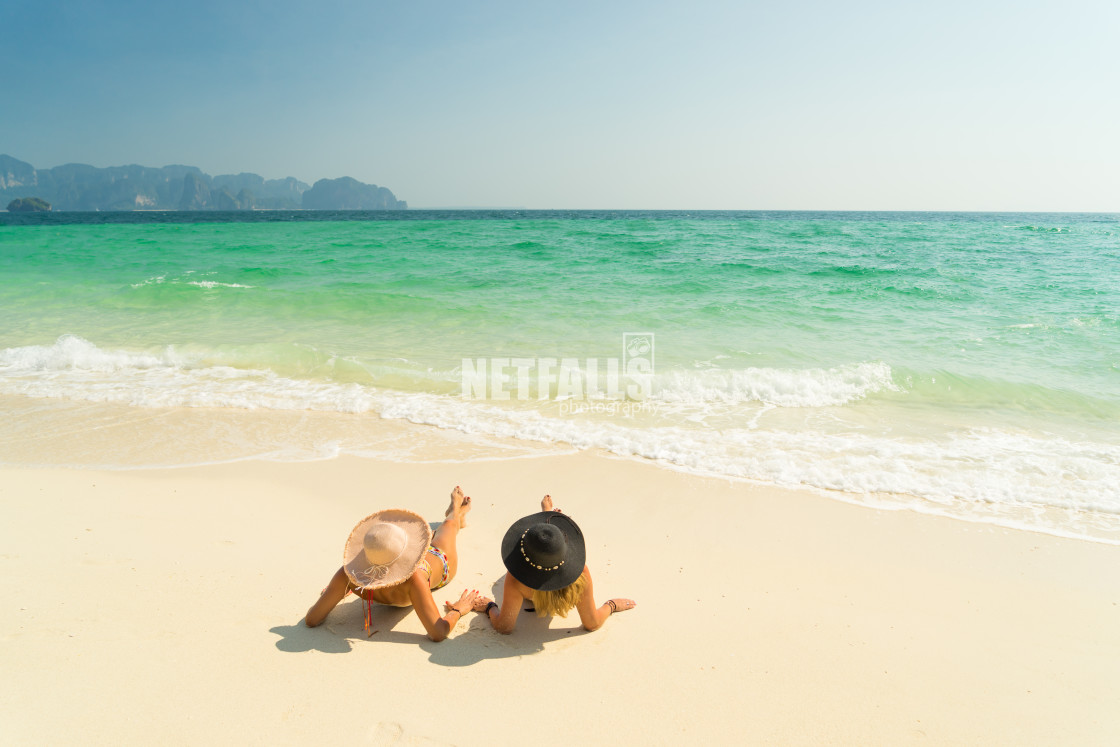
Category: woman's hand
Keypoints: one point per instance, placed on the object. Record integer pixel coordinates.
(466, 603)
(619, 605)
(478, 602)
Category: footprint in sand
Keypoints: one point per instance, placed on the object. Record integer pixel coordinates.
(391, 733)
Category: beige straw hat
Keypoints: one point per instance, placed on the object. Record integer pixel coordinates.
(385, 548)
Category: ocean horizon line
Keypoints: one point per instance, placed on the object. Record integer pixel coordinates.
(481, 213)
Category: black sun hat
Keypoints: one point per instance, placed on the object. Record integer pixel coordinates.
(544, 551)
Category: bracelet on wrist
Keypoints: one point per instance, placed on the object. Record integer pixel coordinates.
(489, 606)
(612, 605)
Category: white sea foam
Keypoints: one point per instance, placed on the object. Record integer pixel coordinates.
(208, 284)
(74, 354)
(814, 387)
(979, 465)
(74, 368)
(984, 470)
(156, 280)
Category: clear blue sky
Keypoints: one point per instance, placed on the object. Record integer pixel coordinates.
(608, 104)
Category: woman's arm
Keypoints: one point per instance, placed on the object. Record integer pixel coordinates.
(425, 605)
(593, 617)
(503, 618)
(334, 593)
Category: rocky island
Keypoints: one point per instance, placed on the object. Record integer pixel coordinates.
(77, 186)
(29, 205)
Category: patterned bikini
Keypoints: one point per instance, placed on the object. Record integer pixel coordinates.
(445, 578)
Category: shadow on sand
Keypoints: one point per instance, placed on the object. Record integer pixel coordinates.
(343, 631)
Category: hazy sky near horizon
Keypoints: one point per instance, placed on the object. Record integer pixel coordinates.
(617, 104)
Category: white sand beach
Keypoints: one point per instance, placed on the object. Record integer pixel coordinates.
(165, 607)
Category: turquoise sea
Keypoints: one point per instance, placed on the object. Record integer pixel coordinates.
(965, 364)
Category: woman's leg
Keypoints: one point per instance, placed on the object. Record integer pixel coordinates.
(334, 593)
(444, 538)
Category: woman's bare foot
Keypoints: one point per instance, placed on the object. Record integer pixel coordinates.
(460, 505)
(546, 504)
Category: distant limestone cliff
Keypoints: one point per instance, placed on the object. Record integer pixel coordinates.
(350, 194)
(80, 187)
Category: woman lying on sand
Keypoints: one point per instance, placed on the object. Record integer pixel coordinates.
(392, 558)
(544, 554)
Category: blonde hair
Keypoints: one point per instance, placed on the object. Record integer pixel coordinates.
(560, 601)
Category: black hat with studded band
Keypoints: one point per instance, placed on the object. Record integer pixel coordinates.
(544, 551)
